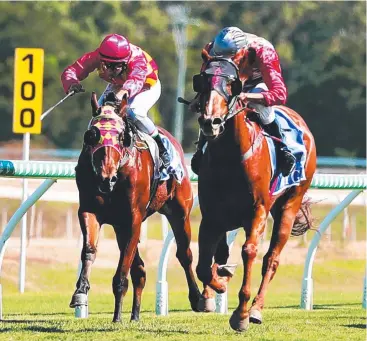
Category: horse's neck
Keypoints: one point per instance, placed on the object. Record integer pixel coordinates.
(245, 130)
(238, 137)
(225, 147)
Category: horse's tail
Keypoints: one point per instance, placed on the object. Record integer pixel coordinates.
(304, 220)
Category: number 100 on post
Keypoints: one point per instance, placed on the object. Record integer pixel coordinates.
(28, 90)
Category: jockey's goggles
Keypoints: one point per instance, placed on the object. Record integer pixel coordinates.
(115, 66)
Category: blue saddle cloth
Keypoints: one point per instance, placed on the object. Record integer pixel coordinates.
(293, 138)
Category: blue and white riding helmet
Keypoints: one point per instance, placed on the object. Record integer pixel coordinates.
(227, 42)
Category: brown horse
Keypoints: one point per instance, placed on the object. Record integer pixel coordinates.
(115, 179)
(234, 189)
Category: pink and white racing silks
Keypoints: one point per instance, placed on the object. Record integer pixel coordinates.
(142, 71)
(267, 63)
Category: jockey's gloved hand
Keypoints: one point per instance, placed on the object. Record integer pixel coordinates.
(76, 87)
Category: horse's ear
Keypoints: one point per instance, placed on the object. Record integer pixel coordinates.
(239, 57)
(205, 55)
(123, 106)
(92, 136)
(94, 102)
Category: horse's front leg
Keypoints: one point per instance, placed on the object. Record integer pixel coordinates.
(90, 229)
(138, 277)
(127, 239)
(239, 320)
(220, 260)
(210, 233)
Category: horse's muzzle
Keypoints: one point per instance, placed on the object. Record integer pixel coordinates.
(107, 185)
(211, 127)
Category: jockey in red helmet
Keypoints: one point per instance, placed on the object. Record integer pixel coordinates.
(130, 72)
(263, 85)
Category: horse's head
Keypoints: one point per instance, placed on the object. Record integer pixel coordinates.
(218, 86)
(105, 139)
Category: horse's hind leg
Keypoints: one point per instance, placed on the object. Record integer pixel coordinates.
(138, 277)
(284, 212)
(179, 218)
(90, 228)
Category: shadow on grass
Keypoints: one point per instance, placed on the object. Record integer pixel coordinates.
(24, 321)
(52, 329)
(40, 329)
(316, 306)
(5, 330)
(335, 305)
(358, 326)
(93, 312)
(144, 330)
(40, 314)
(181, 311)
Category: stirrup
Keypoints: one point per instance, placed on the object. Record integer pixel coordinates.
(288, 162)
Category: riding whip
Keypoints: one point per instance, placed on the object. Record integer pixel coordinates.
(57, 104)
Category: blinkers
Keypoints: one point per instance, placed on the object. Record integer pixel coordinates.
(92, 136)
(223, 68)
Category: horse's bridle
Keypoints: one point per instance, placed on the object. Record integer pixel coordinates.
(124, 157)
(232, 99)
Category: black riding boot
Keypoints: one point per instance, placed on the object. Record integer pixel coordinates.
(163, 154)
(196, 158)
(287, 160)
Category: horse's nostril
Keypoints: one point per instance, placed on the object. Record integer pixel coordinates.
(217, 121)
(113, 179)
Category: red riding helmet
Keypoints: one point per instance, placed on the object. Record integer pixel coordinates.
(115, 48)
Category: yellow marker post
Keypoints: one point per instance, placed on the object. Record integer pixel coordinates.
(27, 110)
(28, 90)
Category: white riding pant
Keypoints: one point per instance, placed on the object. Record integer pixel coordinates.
(266, 114)
(139, 105)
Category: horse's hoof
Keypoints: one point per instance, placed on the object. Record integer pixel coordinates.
(206, 305)
(238, 324)
(194, 301)
(255, 316)
(226, 270)
(78, 299)
(195, 307)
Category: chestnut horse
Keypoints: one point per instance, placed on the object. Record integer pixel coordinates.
(234, 189)
(115, 179)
